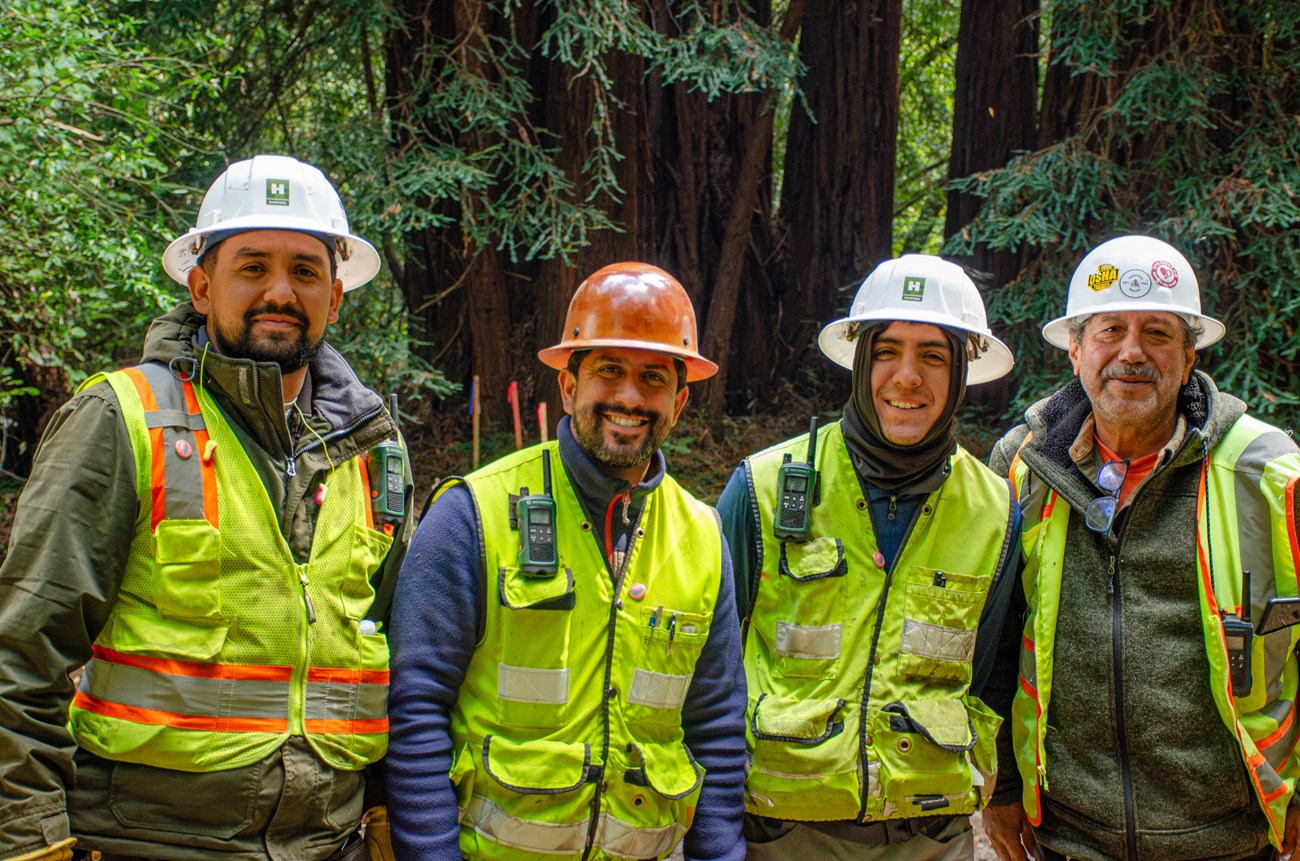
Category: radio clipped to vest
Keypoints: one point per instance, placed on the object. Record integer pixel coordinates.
(1237, 634)
(796, 485)
(535, 514)
(386, 472)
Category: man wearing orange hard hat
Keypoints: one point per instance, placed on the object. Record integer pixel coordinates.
(566, 653)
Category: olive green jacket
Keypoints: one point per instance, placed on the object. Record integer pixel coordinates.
(71, 535)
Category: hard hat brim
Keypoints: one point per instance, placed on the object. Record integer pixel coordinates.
(1057, 332)
(994, 363)
(358, 270)
(557, 357)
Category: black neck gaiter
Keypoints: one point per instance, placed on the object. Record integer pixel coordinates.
(918, 468)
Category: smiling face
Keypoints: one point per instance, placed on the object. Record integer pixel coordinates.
(1132, 364)
(623, 403)
(268, 296)
(911, 374)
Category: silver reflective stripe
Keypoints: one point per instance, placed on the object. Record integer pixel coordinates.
(658, 690)
(820, 643)
(955, 645)
(186, 695)
(183, 475)
(531, 685)
(545, 838)
(344, 701)
(1028, 667)
(625, 840)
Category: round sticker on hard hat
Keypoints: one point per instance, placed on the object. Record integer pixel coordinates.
(1165, 274)
(1135, 283)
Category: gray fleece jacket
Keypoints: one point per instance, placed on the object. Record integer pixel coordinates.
(1139, 763)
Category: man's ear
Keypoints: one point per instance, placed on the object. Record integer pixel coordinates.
(336, 297)
(200, 285)
(568, 388)
(680, 403)
(1074, 355)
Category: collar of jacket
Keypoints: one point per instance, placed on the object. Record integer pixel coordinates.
(1056, 420)
(595, 489)
(253, 391)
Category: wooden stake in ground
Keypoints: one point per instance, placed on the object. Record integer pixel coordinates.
(512, 396)
(473, 413)
(542, 424)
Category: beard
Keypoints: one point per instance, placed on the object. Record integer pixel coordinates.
(291, 351)
(611, 447)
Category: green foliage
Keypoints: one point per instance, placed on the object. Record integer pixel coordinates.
(91, 125)
(1192, 137)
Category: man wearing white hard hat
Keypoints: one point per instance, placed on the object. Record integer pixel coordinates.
(1154, 715)
(874, 558)
(200, 533)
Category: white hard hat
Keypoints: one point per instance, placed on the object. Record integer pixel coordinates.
(920, 288)
(274, 192)
(1133, 273)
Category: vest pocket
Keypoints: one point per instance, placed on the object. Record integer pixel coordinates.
(941, 612)
(650, 811)
(921, 763)
(800, 751)
(533, 676)
(187, 568)
(369, 549)
(672, 641)
(812, 592)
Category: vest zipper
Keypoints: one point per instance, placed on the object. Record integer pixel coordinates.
(298, 693)
(864, 741)
(607, 692)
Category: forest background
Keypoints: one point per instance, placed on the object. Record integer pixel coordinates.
(768, 152)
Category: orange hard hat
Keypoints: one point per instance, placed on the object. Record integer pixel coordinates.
(633, 305)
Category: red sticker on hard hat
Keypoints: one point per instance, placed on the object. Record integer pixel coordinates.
(1165, 274)
(1103, 278)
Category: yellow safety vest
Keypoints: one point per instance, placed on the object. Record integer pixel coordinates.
(858, 675)
(1263, 732)
(567, 730)
(220, 645)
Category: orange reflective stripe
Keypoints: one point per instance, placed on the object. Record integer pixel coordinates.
(158, 466)
(1277, 734)
(1030, 690)
(143, 389)
(1291, 526)
(370, 495)
(154, 717)
(347, 676)
(368, 726)
(244, 672)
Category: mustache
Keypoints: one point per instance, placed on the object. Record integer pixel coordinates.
(282, 310)
(1145, 371)
(637, 412)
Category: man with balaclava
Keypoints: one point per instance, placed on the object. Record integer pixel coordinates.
(867, 555)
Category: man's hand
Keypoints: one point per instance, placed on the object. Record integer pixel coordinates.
(1290, 831)
(1008, 830)
(61, 851)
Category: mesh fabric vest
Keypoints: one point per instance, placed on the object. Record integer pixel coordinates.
(858, 675)
(1253, 460)
(568, 728)
(220, 645)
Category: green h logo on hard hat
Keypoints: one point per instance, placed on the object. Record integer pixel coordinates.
(277, 192)
(913, 288)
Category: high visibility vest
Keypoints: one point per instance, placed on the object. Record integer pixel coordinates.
(858, 673)
(1264, 723)
(220, 645)
(567, 730)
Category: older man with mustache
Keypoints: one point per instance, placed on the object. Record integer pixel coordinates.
(1152, 719)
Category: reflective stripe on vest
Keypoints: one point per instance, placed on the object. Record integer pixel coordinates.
(178, 679)
(1251, 473)
(548, 759)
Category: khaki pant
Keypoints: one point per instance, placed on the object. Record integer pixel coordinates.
(792, 840)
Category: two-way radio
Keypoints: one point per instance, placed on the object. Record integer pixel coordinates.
(536, 517)
(1237, 634)
(386, 472)
(796, 484)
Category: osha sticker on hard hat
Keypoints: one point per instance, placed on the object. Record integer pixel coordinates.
(1135, 284)
(277, 192)
(1102, 278)
(913, 289)
(1165, 273)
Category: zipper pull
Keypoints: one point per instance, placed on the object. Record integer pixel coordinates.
(627, 501)
(1110, 586)
(893, 500)
(306, 597)
(290, 469)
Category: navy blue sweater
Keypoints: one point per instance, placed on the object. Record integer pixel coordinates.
(433, 637)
